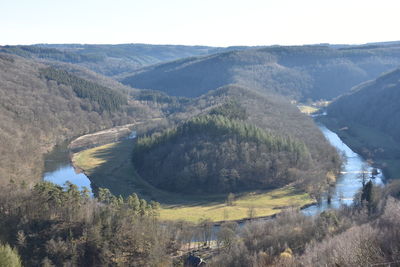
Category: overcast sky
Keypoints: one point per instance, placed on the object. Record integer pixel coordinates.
(199, 22)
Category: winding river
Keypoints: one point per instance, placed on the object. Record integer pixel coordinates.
(59, 170)
(348, 183)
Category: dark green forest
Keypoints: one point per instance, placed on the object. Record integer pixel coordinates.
(107, 99)
(217, 154)
(233, 111)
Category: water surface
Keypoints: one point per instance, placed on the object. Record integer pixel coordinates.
(348, 184)
(58, 169)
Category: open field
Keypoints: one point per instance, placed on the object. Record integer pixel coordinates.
(307, 109)
(110, 166)
(257, 204)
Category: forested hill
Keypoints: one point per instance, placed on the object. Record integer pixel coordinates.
(240, 140)
(369, 117)
(300, 72)
(218, 154)
(41, 106)
(111, 60)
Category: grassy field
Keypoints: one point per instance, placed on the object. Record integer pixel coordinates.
(255, 204)
(307, 109)
(110, 166)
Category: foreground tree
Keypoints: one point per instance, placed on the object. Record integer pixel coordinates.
(9, 257)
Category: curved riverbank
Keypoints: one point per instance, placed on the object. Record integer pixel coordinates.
(58, 164)
(348, 183)
(346, 187)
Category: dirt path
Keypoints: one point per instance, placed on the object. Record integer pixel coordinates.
(106, 136)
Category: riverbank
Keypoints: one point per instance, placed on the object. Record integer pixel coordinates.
(370, 144)
(110, 166)
(107, 136)
(58, 165)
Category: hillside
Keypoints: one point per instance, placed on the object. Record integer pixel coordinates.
(41, 106)
(369, 118)
(299, 72)
(110, 60)
(216, 154)
(258, 142)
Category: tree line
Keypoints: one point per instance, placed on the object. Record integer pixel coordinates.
(108, 100)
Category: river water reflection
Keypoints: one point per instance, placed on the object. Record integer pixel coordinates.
(348, 183)
(59, 170)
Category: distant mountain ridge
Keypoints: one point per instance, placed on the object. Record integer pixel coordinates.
(111, 60)
(299, 72)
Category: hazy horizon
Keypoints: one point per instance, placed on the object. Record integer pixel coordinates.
(205, 45)
(207, 23)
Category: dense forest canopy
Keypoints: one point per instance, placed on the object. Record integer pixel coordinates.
(239, 140)
(216, 154)
(107, 99)
(299, 72)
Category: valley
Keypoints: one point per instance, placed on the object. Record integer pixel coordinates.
(237, 151)
(108, 166)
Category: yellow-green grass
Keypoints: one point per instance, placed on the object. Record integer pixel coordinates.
(110, 166)
(87, 159)
(307, 109)
(262, 204)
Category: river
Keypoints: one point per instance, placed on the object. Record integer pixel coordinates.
(58, 167)
(59, 170)
(348, 183)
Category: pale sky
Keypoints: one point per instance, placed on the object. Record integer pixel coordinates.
(199, 22)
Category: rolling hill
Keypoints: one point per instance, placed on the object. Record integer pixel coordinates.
(236, 139)
(299, 72)
(41, 105)
(369, 118)
(111, 60)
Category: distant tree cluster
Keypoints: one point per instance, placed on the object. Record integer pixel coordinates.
(213, 153)
(108, 99)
